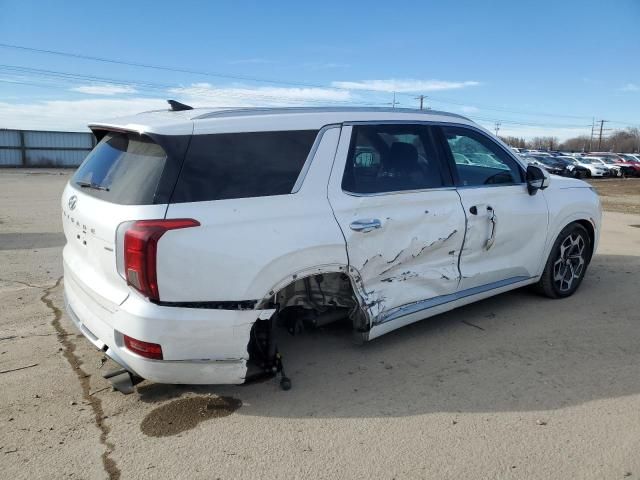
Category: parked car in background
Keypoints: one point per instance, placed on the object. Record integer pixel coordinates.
(596, 169)
(194, 237)
(611, 155)
(630, 157)
(572, 168)
(629, 165)
(613, 166)
(550, 165)
(564, 166)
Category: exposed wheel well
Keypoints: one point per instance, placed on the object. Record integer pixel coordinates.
(308, 302)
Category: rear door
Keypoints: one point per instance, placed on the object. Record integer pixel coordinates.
(506, 227)
(125, 178)
(401, 217)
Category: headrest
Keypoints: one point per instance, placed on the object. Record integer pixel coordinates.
(403, 156)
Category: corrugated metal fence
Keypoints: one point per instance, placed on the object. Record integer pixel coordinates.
(33, 148)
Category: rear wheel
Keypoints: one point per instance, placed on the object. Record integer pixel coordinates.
(567, 262)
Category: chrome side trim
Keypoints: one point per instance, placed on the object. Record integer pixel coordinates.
(312, 153)
(415, 307)
(397, 192)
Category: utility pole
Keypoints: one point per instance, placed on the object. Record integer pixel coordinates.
(602, 122)
(498, 127)
(394, 103)
(593, 126)
(421, 98)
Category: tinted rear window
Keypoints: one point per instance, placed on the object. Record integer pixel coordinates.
(240, 165)
(123, 169)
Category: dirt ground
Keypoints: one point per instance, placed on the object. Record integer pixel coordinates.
(516, 386)
(619, 194)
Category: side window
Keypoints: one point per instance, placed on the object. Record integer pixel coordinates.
(480, 161)
(242, 165)
(391, 158)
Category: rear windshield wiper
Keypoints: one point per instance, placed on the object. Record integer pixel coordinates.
(95, 186)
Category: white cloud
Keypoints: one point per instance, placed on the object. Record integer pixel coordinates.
(239, 96)
(74, 115)
(104, 89)
(71, 115)
(468, 109)
(404, 85)
(631, 87)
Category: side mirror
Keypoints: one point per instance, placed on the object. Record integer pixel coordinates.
(537, 179)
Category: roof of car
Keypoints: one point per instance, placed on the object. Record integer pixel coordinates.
(228, 120)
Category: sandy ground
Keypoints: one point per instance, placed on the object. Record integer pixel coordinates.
(619, 194)
(516, 386)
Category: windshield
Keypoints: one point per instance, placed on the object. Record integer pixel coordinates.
(123, 169)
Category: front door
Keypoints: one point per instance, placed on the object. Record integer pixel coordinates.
(506, 227)
(403, 223)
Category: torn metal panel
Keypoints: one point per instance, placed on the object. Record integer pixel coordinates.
(414, 253)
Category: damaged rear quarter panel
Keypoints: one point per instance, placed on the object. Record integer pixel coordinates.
(245, 247)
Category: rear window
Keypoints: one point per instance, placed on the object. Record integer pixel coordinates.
(123, 169)
(241, 165)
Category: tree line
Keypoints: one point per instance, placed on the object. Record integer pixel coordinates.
(620, 141)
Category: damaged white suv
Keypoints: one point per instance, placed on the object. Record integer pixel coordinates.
(195, 236)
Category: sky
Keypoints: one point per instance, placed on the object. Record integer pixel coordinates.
(535, 67)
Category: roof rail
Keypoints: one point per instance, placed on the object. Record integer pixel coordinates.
(280, 110)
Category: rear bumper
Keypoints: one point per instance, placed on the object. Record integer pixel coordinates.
(200, 346)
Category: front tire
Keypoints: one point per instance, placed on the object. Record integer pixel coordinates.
(567, 262)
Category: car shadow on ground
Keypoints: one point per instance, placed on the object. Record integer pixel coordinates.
(514, 352)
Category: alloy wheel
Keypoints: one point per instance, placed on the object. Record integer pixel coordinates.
(568, 267)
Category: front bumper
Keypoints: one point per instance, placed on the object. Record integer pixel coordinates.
(200, 346)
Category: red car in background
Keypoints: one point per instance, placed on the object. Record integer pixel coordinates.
(629, 167)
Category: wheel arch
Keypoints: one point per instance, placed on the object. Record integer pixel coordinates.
(301, 274)
(589, 227)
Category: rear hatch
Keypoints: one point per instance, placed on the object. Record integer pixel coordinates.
(126, 177)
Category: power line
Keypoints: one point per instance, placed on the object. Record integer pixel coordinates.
(24, 72)
(151, 66)
(145, 88)
(273, 81)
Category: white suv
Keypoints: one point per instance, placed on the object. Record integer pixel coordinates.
(195, 235)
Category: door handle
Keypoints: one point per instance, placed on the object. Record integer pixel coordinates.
(365, 225)
(493, 218)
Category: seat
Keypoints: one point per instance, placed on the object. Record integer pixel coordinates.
(401, 170)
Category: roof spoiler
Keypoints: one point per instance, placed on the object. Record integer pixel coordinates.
(177, 106)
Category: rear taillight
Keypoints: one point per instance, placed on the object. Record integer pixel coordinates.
(140, 250)
(144, 349)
